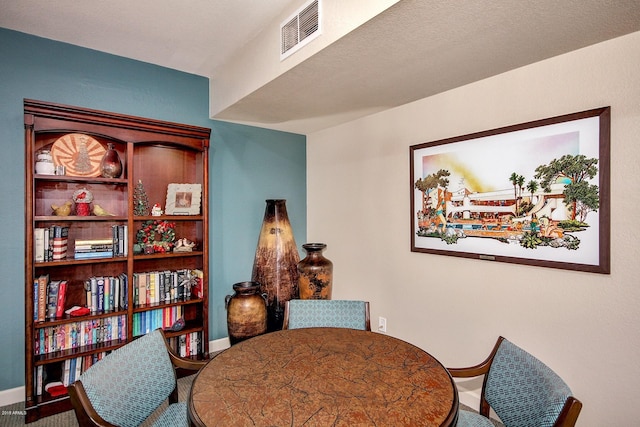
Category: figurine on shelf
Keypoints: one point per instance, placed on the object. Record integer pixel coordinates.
(156, 210)
(82, 198)
(183, 245)
(99, 211)
(63, 210)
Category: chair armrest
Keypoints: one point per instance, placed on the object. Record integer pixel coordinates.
(85, 413)
(479, 369)
(190, 364)
(181, 362)
(569, 414)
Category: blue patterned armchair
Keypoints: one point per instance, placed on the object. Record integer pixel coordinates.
(129, 384)
(326, 313)
(522, 391)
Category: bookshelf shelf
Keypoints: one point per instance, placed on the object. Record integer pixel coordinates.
(58, 346)
(68, 219)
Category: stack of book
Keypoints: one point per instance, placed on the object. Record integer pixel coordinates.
(93, 248)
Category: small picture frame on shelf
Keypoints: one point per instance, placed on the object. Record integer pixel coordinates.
(183, 199)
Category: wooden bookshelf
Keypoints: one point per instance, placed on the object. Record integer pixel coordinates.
(157, 153)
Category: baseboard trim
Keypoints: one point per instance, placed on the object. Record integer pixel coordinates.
(11, 396)
(16, 395)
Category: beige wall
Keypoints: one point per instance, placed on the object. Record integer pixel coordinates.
(585, 326)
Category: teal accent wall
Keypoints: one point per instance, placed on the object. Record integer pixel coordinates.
(247, 164)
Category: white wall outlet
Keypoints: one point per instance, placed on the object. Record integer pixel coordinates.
(382, 324)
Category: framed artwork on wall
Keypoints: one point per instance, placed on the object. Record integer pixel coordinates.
(535, 193)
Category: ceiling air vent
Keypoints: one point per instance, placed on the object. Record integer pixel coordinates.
(300, 28)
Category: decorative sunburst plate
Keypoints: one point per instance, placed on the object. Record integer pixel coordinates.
(80, 154)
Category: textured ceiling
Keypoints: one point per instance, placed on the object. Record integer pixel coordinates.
(195, 36)
(414, 49)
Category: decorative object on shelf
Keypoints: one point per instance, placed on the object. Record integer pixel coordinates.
(82, 199)
(276, 260)
(99, 211)
(110, 165)
(62, 210)
(178, 325)
(183, 199)
(146, 236)
(315, 273)
(44, 163)
(183, 245)
(246, 312)
(140, 200)
(80, 154)
(156, 210)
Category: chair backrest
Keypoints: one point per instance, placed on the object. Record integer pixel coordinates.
(327, 313)
(133, 381)
(522, 390)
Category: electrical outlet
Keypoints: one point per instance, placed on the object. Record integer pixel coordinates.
(382, 324)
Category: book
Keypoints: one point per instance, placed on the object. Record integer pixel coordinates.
(106, 296)
(62, 295)
(93, 255)
(52, 298)
(38, 244)
(124, 285)
(93, 248)
(105, 241)
(43, 282)
(100, 295)
(142, 293)
(115, 293)
(94, 294)
(35, 299)
(47, 249)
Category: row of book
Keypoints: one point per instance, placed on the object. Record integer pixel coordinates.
(166, 286)
(79, 334)
(50, 297)
(187, 345)
(107, 293)
(147, 321)
(110, 293)
(50, 244)
(103, 294)
(49, 378)
(54, 378)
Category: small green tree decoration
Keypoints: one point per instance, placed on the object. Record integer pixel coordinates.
(140, 200)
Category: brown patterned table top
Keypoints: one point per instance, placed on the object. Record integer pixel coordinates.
(323, 377)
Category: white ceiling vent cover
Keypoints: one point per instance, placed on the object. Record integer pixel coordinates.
(300, 28)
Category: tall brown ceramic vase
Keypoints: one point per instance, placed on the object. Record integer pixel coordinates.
(246, 312)
(275, 264)
(315, 273)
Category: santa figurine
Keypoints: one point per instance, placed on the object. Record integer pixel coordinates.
(156, 210)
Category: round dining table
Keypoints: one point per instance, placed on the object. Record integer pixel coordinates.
(323, 377)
